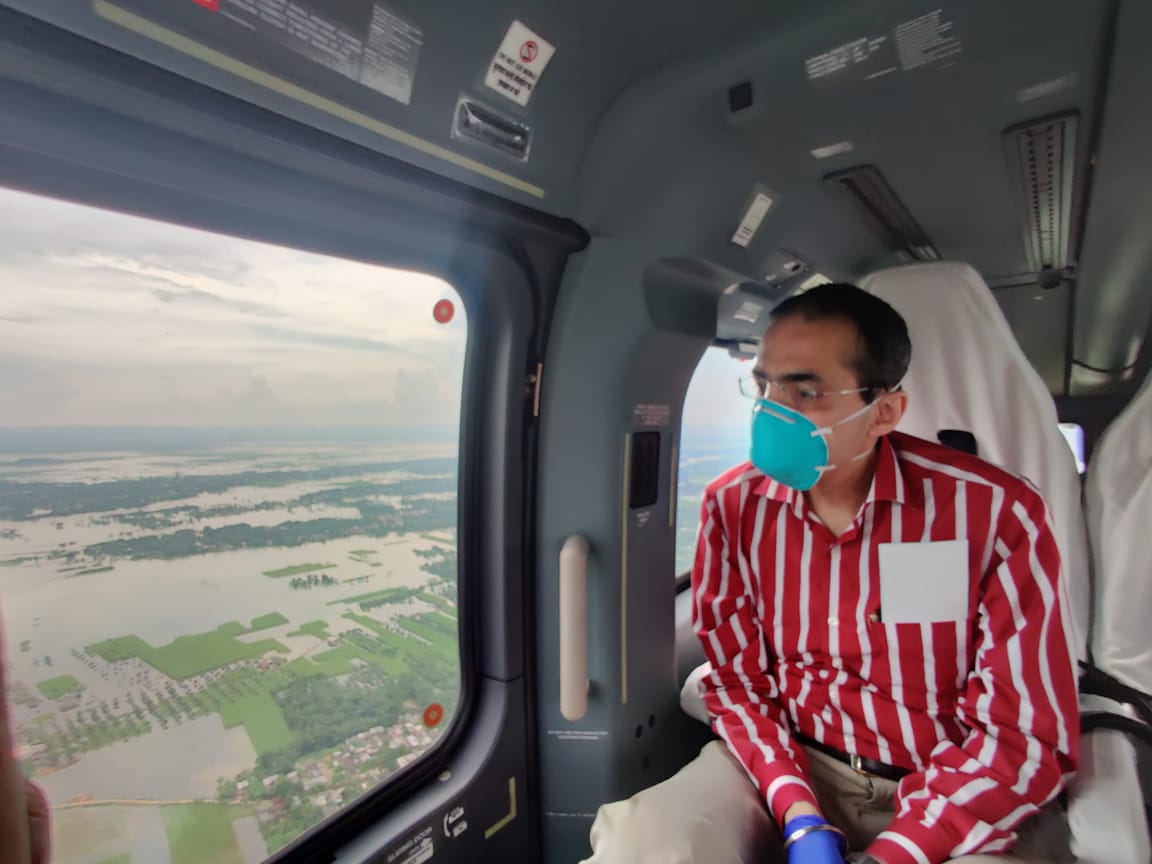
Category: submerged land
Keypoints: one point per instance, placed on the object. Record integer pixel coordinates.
(212, 650)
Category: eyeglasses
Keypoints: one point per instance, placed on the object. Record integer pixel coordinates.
(796, 394)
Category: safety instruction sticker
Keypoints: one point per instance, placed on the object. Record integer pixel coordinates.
(928, 40)
(516, 69)
(370, 44)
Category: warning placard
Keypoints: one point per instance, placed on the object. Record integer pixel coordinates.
(516, 69)
(367, 42)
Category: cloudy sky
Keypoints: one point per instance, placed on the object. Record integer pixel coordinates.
(713, 400)
(108, 319)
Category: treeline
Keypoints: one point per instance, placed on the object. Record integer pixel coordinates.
(440, 562)
(312, 581)
(322, 713)
(19, 500)
(377, 520)
(352, 494)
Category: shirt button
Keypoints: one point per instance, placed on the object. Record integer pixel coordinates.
(823, 673)
(833, 622)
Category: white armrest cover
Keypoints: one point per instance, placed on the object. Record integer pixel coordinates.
(1105, 804)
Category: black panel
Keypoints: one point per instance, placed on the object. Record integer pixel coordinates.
(644, 483)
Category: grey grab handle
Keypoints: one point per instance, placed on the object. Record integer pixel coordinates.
(574, 628)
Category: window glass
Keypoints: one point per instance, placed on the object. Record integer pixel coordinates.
(713, 438)
(228, 563)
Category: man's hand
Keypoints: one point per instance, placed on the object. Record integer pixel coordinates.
(25, 831)
(810, 840)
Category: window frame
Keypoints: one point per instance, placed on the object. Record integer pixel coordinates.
(83, 123)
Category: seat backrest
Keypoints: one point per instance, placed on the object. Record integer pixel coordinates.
(1118, 497)
(969, 374)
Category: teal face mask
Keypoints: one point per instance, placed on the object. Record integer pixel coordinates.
(790, 448)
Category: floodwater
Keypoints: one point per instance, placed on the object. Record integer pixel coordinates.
(52, 616)
(179, 763)
(92, 835)
(250, 840)
(160, 600)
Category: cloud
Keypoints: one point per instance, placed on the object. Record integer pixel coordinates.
(110, 319)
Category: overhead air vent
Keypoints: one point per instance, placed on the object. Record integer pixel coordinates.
(875, 200)
(1042, 158)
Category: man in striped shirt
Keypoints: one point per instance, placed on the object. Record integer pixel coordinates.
(887, 627)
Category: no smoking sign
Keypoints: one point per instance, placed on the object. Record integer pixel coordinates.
(519, 62)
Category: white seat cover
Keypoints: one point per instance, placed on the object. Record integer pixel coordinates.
(1118, 497)
(1119, 501)
(968, 372)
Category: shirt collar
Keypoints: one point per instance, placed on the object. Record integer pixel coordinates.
(888, 483)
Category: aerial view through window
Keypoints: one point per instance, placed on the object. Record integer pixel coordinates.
(228, 561)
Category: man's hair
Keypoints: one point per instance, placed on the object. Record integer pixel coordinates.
(884, 349)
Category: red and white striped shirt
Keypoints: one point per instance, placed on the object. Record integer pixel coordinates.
(983, 709)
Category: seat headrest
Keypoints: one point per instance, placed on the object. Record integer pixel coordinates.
(1118, 494)
(969, 373)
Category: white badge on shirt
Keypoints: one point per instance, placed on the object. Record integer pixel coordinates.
(922, 583)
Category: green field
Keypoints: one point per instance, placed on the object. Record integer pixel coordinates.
(59, 687)
(395, 645)
(200, 833)
(119, 859)
(265, 622)
(261, 716)
(189, 655)
(298, 570)
(388, 595)
(438, 630)
(319, 629)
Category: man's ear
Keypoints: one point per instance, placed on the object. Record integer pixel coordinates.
(890, 408)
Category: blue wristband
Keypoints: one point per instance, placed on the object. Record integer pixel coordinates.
(824, 828)
(798, 822)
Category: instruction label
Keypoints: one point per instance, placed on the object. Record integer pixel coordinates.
(928, 40)
(652, 414)
(858, 52)
(753, 217)
(414, 850)
(520, 61)
(372, 45)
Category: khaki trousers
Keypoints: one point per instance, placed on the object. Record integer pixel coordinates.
(710, 812)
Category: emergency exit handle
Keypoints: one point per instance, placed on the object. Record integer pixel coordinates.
(574, 628)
